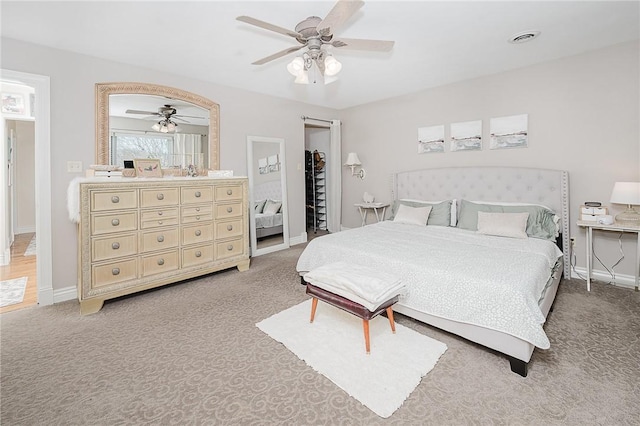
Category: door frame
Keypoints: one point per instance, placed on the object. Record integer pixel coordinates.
(44, 263)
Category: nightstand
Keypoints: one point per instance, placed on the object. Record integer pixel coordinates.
(378, 208)
(616, 227)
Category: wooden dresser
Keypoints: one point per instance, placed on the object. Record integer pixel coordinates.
(136, 234)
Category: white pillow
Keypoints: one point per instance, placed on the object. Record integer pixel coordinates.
(259, 206)
(272, 207)
(512, 225)
(412, 215)
(454, 208)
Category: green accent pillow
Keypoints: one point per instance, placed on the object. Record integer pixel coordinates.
(542, 222)
(440, 212)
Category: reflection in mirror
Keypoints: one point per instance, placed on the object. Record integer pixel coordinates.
(136, 120)
(267, 194)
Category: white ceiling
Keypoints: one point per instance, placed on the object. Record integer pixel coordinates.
(436, 42)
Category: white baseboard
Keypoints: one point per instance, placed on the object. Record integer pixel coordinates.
(301, 239)
(622, 280)
(64, 294)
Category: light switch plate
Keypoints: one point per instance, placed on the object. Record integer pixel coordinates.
(74, 166)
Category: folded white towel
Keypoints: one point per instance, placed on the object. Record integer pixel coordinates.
(360, 284)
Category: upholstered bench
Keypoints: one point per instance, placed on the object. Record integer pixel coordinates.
(361, 291)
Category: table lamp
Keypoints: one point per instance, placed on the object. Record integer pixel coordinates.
(627, 193)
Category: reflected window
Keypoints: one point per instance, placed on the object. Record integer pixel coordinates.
(173, 150)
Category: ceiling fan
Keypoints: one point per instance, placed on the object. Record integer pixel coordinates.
(168, 114)
(313, 33)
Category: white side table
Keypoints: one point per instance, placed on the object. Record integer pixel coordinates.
(616, 227)
(378, 208)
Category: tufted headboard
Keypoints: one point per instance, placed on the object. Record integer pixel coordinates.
(268, 191)
(498, 184)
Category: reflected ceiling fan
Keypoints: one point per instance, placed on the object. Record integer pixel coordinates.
(313, 33)
(169, 114)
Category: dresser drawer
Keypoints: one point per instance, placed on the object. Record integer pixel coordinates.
(159, 263)
(230, 228)
(223, 211)
(159, 197)
(197, 255)
(114, 272)
(228, 192)
(105, 248)
(159, 217)
(197, 194)
(115, 222)
(229, 248)
(200, 233)
(158, 240)
(114, 200)
(195, 214)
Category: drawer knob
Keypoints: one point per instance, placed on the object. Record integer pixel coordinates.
(160, 222)
(115, 199)
(229, 209)
(115, 271)
(197, 217)
(229, 227)
(197, 209)
(115, 222)
(198, 253)
(229, 191)
(160, 196)
(230, 247)
(159, 213)
(198, 194)
(115, 246)
(160, 238)
(160, 261)
(198, 233)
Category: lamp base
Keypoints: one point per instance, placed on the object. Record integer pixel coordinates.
(628, 217)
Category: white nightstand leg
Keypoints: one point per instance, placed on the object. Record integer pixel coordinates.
(363, 215)
(589, 256)
(638, 262)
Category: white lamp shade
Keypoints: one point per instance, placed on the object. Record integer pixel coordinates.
(352, 160)
(296, 66)
(156, 126)
(331, 66)
(171, 126)
(303, 77)
(626, 193)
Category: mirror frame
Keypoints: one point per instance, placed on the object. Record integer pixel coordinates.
(103, 90)
(255, 251)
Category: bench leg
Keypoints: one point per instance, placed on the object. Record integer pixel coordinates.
(365, 325)
(314, 305)
(390, 316)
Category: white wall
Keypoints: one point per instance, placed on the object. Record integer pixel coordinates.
(583, 118)
(25, 177)
(73, 79)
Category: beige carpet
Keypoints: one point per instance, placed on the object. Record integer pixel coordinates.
(190, 354)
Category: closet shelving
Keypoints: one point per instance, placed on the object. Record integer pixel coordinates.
(315, 188)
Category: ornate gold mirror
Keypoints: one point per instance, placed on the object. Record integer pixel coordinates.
(161, 114)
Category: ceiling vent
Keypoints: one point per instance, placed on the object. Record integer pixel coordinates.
(523, 37)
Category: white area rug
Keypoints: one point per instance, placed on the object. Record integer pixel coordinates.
(31, 248)
(333, 345)
(12, 291)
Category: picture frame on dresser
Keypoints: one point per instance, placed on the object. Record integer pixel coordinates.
(147, 167)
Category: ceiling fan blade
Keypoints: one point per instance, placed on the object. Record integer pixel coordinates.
(268, 26)
(173, 117)
(363, 44)
(341, 12)
(135, 111)
(278, 55)
(187, 116)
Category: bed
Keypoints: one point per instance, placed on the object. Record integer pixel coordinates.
(493, 290)
(268, 214)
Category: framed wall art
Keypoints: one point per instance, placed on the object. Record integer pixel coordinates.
(431, 139)
(466, 136)
(509, 132)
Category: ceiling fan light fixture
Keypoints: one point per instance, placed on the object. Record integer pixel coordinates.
(171, 126)
(302, 77)
(156, 126)
(331, 66)
(296, 66)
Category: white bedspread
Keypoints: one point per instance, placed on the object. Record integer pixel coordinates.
(265, 220)
(493, 282)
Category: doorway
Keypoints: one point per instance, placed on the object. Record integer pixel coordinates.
(29, 121)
